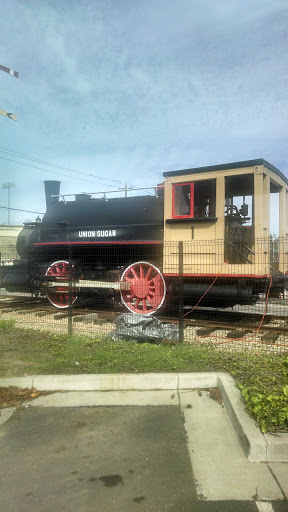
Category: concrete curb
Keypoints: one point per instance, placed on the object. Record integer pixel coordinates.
(256, 446)
(249, 436)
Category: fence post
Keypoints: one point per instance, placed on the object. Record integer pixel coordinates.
(180, 292)
(70, 303)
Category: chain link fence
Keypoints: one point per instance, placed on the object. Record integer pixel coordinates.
(233, 296)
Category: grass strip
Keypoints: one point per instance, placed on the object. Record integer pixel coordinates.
(262, 378)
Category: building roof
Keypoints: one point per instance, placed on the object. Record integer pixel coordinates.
(223, 167)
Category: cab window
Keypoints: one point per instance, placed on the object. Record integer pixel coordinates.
(194, 200)
(183, 197)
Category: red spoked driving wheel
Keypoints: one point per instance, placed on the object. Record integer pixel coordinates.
(147, 288)
(59, 295)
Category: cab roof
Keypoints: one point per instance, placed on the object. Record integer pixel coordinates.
(223, 167)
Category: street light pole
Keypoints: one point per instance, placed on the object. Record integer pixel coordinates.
(10, 184)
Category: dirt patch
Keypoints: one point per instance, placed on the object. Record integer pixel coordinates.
(13, 396)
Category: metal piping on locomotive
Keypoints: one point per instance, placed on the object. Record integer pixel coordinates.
(223, 295)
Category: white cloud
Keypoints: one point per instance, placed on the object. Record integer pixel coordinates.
(136, 88)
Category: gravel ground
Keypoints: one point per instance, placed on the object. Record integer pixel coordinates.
(220, 337)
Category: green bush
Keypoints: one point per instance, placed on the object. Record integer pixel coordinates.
(265, 395)
(269, 410)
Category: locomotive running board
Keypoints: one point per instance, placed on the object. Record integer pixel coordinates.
(85, 283)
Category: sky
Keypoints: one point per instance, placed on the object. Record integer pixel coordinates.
(126, 90)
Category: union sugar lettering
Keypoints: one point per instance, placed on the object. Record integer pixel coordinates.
(86, 234)
(106, 233)
(101, 233)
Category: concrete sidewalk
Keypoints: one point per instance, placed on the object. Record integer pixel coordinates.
(231, 459)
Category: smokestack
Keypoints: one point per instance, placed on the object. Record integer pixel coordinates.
(51, 188)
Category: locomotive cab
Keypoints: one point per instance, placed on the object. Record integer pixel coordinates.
(222, 214)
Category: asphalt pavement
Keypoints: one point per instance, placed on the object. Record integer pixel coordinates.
(169, 448)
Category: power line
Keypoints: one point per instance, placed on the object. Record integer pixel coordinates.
(59, 173)
(22, 155)
(28, 157)
(18, 210)
(46, 170)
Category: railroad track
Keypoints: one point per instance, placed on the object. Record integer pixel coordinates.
(206, 322)
(31, 304)
(241, 320)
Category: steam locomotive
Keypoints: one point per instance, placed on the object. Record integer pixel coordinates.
(192, 238)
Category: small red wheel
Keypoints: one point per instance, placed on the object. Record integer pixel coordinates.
(59, 295)
(148, 289)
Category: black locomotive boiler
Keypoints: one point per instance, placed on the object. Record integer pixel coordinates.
(103, 244)
(204, 235)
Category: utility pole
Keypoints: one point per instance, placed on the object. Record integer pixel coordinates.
(7, 186)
